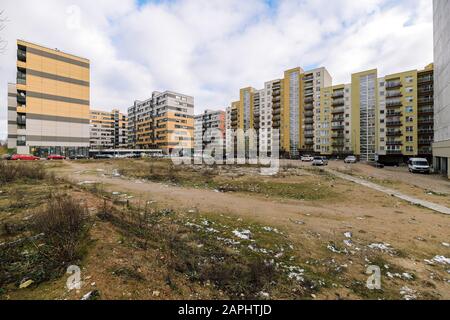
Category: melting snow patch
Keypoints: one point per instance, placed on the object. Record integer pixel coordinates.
(407, 293)
(348, 243)
(332, 248)
(244, 234)
(445, 244)
(348, 234)
(385, 247)
(229, 241)
(86, 182)
(441, 260)
(269, 229)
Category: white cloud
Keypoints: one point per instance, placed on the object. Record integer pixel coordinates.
(211, 48)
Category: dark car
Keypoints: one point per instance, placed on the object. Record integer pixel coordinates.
(78, 157)
(103, 156)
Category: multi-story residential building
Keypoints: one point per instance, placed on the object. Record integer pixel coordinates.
(364, 114)
(289, 105)
(108, 130)
(120, 129)
(165, 121)
(441, 145)
(334, 121)
(313, 82)
(425, 105)
(102, 130)
(48, 107)
(203, 125)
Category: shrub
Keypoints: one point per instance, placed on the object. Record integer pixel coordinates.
(10, 172)
(63, 222)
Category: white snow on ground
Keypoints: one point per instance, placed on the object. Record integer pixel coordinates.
(244, 234)
(408, 294)
(441, 260)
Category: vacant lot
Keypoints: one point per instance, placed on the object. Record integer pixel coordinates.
(159, 231)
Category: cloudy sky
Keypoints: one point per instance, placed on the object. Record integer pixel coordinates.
(211, 48)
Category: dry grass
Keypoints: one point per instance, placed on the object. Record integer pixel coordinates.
(10, 172)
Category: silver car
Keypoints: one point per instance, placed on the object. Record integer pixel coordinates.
(320, 161)
(350, 159)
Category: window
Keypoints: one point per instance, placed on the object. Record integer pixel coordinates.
(409, 139)
(409, 109)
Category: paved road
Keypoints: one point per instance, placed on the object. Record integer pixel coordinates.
(374, 186)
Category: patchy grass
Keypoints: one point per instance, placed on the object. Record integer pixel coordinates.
(228, 179)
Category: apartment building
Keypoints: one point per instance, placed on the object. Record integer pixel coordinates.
(165, 121)
(441, 145)
(48, 107)
(313, 82)
(204, 124)
(334, 122)
(378, 118)
(289, 105)
(108, 130)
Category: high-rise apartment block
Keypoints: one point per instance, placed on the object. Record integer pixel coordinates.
(109, 130)
(48, 107)
(388, 118)
(206, 127)
(441, 146)
(165, 121)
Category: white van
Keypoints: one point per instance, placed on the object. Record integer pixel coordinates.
(418, 165)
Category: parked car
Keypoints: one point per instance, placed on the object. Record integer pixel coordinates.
(419, 165)
(103, 156)
(307, 158)
(320, 161)
(78, 157)
(376, 164)
(6, 157)
(24, 157)
(56, 157)
(350, 159)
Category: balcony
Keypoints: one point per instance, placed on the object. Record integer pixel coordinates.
(426, 90)
(309, 142)
(338, 110)
(425, 142)
(425, 79)
(309, 100)
(276, 117)
(276, 112)
(309, 107)
(425, 121)
(308, 78)
(338, 144)
(426, 131)
(309, 127)
(338, 136)
(397, 103)
(394, 133)
(393, 84)
(338, 119)
(426, 110)
(337, 127)
(338, 102)
(309, 134)
(309, 92)
(309, 121)
(309, 114)
(394, 143)
(426, 100)
(394, 123)
(394, 94)
(338, 94)
(394, 114)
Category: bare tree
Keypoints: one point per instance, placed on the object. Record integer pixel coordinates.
(3, 42)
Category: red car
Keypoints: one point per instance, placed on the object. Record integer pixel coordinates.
(55, 157)
(24, 157)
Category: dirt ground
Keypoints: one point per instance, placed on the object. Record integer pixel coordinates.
(413, 233)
